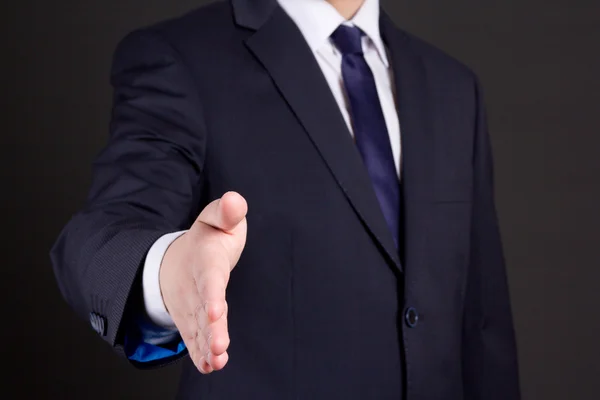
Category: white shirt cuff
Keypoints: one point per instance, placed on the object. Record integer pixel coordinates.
(153, 300)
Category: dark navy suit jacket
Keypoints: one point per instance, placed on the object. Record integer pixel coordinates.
(322, 305)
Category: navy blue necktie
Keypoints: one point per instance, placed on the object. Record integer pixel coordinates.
(370, 129)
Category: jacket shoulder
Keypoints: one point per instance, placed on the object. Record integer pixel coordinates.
(203, 24)
(439, 63)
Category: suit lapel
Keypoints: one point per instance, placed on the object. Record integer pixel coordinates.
(415, 114)
(280, 47)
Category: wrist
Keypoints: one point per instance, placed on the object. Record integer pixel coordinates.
(154, 301)
(168, 266)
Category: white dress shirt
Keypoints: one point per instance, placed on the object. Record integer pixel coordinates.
(317, 20)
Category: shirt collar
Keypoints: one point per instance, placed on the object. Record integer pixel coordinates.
(317, 20)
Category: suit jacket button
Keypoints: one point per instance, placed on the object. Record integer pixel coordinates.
(94, 321)
(98, 323)
(411, 317)
(102, 325)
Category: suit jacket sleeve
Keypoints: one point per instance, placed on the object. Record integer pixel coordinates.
(490, 359)
(146, 182)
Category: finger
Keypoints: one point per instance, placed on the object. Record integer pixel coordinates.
(219, 335)
(192, 335)
(225, 213)
(213, 336)
(213, 344)
(218, 362)
(206, 368)
(211, 324)
(210, 313)
(195, 352)
(197, 349)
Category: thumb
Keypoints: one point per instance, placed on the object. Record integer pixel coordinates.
(225, 213)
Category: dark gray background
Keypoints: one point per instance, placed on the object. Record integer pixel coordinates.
(539, 63)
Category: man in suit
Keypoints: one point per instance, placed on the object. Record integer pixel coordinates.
(341, 165)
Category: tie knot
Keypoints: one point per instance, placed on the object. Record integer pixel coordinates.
(348, 39)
